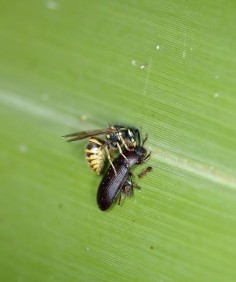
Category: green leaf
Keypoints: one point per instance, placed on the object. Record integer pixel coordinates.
(166, 67)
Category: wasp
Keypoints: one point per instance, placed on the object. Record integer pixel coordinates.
(116, 136)
(113, 184)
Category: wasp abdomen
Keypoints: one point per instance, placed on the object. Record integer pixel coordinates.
(95, 154)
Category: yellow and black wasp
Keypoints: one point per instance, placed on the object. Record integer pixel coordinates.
(116, 136)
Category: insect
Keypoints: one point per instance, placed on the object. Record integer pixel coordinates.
(113, 184)
(95, 154)
(117, 136)
(144, 172)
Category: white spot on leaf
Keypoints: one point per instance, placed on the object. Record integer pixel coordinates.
(51, 5)
(23, 148)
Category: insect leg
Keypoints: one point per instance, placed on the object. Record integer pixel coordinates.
(123, 143)
(128, 188)
(147, 157)
(121, 152)
(133, 182)
(138, 137)
(126, 191)
(109, 158)
(119, 200)
(145, 139)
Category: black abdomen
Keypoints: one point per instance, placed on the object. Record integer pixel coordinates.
(112, 184)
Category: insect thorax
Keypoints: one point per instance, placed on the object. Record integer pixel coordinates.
(122, 135)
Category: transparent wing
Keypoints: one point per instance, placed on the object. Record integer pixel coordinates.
(86, 134)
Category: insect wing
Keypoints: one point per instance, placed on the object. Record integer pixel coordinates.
(86, 134)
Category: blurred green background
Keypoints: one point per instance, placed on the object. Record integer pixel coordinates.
(166, 67)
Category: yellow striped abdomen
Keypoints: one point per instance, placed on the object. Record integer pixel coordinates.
(95, 154)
